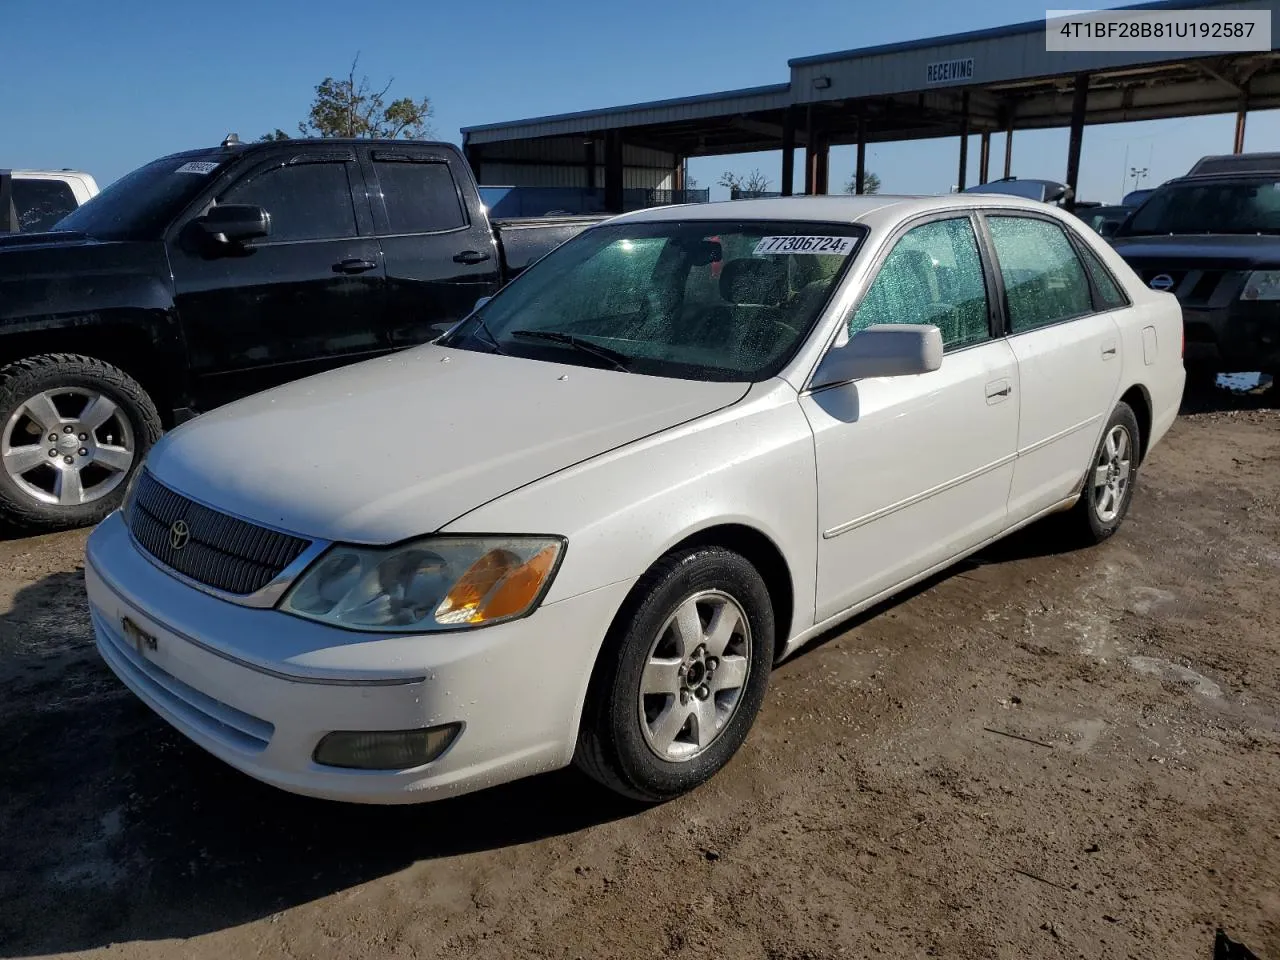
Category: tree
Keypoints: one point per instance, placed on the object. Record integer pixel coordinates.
(352, 108)
(870, 183)
(277, 135)
(753, 182)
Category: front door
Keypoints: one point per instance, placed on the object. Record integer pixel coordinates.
(307, 297)
(914, 470)
(1063, 330)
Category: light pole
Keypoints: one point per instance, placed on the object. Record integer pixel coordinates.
(1138, 173)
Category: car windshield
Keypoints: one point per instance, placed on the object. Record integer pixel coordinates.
(144, 200)
(1209, 206)
(695, 299)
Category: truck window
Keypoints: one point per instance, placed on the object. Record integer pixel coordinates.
(419, 197)
(307, 201)
(41, 203)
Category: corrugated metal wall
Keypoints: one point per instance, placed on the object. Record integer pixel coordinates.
(554, 175)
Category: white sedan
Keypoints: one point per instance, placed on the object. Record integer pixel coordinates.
(584, 525)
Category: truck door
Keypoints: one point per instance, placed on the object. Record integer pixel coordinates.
(439, 249)
(304, 298)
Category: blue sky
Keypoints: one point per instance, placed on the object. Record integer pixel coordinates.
(106, 86)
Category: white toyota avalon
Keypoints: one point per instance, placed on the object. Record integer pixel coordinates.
(584, 525)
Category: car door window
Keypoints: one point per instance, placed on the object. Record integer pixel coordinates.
(1110, 296)
(41, 203)
(1044, 281)
(419, 197)
(307, 201)
(933, 275)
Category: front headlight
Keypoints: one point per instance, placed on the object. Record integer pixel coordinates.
(1262, 285)
(436, 583)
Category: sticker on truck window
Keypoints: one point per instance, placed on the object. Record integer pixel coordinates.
(836, 246)
(198, 166)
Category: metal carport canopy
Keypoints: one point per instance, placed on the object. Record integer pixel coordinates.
(883, 93)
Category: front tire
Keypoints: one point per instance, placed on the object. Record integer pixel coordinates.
(73, 430)
(1108, 485)
(680, 677)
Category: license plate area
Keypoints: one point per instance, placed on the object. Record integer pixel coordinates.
(143, 641)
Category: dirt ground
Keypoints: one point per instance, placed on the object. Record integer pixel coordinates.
(1040, 754)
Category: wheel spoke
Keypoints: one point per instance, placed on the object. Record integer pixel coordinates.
(669, 724)
(730, 675)
(68, 488)
(1100, 476)
(118, 459)
(1108, 498)
(40, 408)
(661, 675)
(20, 460)
(704, 721)
(724, 622)
(97, 412)
(1124, 471)
(687, 628)
(1122, 444)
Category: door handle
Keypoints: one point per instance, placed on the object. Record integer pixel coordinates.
(1109, 350)
(998, 390)
(353, 265)
(470, 256)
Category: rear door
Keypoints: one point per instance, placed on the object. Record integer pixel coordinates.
(440, 253)
(305, 298)
(1063, 331)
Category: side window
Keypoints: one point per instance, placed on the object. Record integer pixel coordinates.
(933, 275)
(307, 201)
(419, 197)
(41, 203)
(1044, 281)
(1109, 294)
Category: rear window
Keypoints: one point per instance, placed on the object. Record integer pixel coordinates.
(41, 203)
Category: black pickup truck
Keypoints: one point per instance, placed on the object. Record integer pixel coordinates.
(208, 275)
(1212, 238)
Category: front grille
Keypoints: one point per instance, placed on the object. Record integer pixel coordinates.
(220, 551)
(1190, 286)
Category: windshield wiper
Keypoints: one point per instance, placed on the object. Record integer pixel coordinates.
(618, 360)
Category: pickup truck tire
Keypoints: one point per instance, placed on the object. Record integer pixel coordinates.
(672, 697)
(1108, 483)
(73, 430)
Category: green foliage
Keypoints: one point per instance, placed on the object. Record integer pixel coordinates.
(870, 183)
(350, 107)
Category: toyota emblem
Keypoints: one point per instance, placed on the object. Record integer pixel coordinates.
(1162, 282)
(179, 534)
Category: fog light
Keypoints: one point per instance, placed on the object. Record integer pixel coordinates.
(384, 749)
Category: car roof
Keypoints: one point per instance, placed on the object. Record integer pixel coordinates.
(873, 210)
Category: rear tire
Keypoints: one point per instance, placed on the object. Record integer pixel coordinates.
(1109, 482)
(680, 677)
(73, 430)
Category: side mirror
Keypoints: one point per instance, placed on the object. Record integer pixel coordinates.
(882, 350)
(235, 223)
(1108, 228)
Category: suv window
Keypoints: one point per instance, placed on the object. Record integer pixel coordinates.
(419, 197)
(41, 203)
(933, 275)
(307, 201)
(1044, 281)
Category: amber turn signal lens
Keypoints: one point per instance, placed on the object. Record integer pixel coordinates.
(497, 586)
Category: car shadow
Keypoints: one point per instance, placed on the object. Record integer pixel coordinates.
(1225, 396)
(116, 828)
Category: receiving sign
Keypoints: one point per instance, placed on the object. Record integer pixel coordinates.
(949, 71)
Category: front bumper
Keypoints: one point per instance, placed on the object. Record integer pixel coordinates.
(258, 688)
(1238, 337)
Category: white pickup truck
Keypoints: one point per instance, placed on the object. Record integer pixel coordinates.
(34, 200)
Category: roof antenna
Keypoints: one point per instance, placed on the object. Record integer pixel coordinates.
(233, 140)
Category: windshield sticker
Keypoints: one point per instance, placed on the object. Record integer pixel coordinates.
(198, 166)
(836, 246)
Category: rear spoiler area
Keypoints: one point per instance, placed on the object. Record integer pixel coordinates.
(8, 212)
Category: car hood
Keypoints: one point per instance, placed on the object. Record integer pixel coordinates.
(402, 445)
(1224, 251)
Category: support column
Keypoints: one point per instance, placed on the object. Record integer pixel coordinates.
(1079, 103)
(589, 163)
(821, 165)
(984, 156)
(613, 171)
(964, 141)
(860, 169)
(810, 143)
(1008, 147)
(788, 150)
(677, 176)
(1241, 115)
